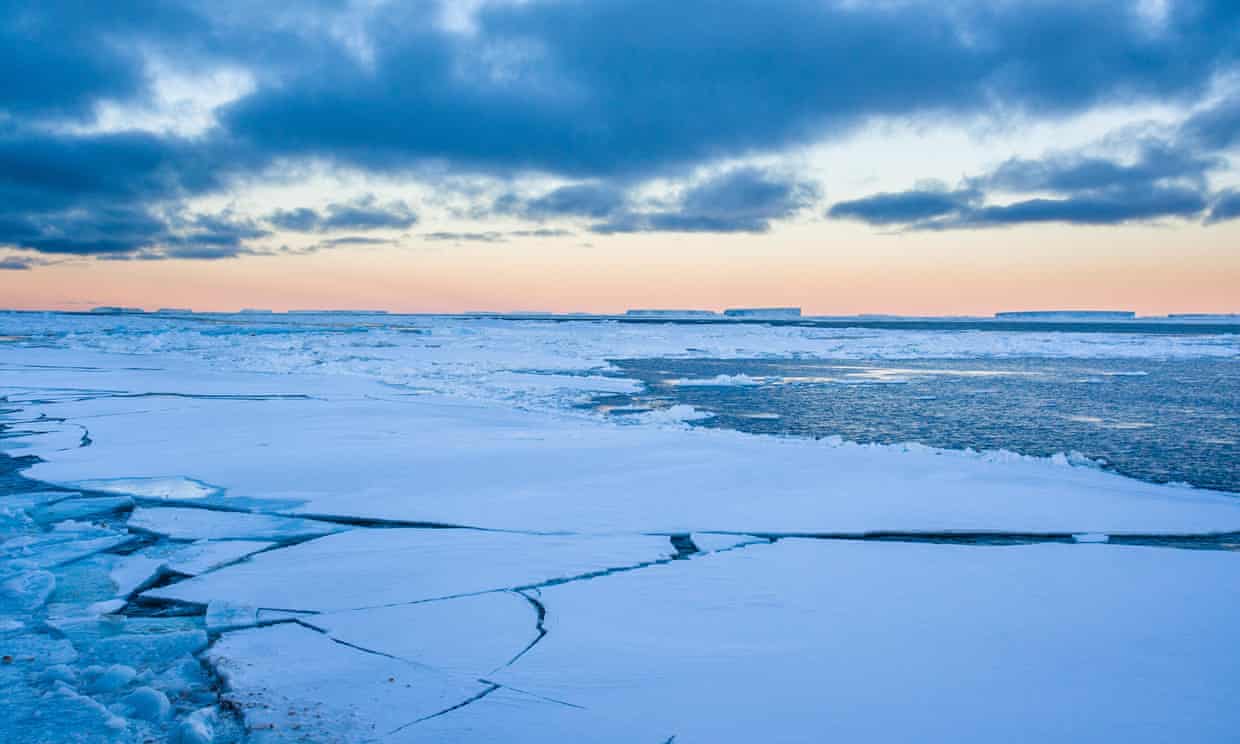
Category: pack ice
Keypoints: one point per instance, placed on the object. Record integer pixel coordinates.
(275, 529)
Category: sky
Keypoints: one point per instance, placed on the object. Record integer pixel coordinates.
(890, 156)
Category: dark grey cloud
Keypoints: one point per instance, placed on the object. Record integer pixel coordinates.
(595, 200)
(1100, 208)
(609, 93)
(1226, 207)
(1167, 177)
(365, 213)
(903, 207)
(739, 200)
(640, 86)
(1217, 127)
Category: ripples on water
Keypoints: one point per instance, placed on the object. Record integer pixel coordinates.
(1161, 421)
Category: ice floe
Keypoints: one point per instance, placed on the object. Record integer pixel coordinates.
(292, 683)
(865, 641)
(375, 568)
(207, 524)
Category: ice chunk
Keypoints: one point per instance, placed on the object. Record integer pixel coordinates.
(371, 568)
(147, 704)
(180, 523)
(223, 615)
(112, 679)
(33, 499)
(153, 649)
(27, 591)
(169, 489)
(87, 508)
(196, 728)
(106, 607)
(208, 555)
(134, 572)
(498, 626)
(58, 549)
(287, 675)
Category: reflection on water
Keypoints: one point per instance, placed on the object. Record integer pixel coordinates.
(1161, 421)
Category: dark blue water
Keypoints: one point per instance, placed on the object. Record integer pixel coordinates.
(1161, 421)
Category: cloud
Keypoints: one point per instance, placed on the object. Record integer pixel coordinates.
(608, 94)
(20, 263)
(595, 200)
(364, 213)
(1226, 207)
(494, 236)
(544, 232)
(1167, 177)
(567, 87)
(738, 200)
(465, 237)
(904, 207)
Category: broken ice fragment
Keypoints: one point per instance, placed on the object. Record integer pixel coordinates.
(135, 572)
(280, 674)
(208, 555)
(223, 615)
(469, 635)
(27, 591)
(369, 568)
(148, 704)
(113, 678)
(86, 508)
(180, 523)
(171, 489)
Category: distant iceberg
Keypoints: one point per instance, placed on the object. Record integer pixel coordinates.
(1067, 315)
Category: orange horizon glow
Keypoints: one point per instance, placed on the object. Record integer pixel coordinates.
(968, 273)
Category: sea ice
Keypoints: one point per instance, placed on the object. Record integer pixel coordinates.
(295, 684)
(498, 625)
(208, 555)
(133, 572)
(374, 568)
(179, 523)
(433, 460)
(85, 508)
(882, 641)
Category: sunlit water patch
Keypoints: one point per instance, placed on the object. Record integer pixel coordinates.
(1162, 421)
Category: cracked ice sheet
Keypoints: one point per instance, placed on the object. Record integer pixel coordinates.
(431, 459)
(498, 626)
(807, 640)
(295, 684)
(371, 568)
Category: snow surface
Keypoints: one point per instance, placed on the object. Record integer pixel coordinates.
(376, 568)
(891, 642)
(312, 461)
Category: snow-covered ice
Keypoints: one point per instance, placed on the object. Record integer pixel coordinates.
(867, 641)
(375, 568)
(180, 523)
(295, 684)
(402, 529)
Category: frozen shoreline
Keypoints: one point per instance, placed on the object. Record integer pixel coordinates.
(237, 436)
